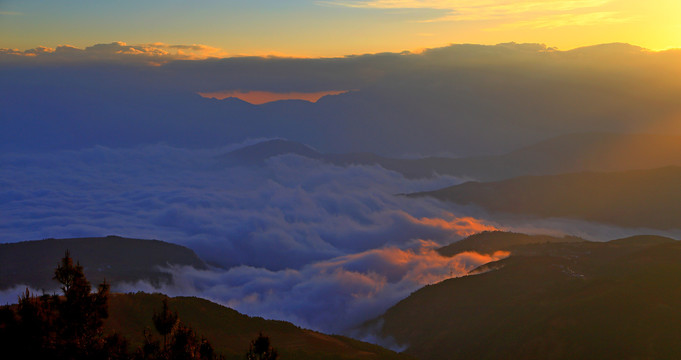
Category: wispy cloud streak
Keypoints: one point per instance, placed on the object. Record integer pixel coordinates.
(560, 20)
(530, 13)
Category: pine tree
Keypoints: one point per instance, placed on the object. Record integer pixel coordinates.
(70, 327)
(165, 322)
(81, 313)
(61, 327)
(261, 350)
(179, 341)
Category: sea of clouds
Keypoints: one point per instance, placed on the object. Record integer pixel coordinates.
(323, 246)
(230, 216)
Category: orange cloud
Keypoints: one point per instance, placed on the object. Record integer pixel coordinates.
(463, 226)
(188, 52)
(422, 266)
(262, 97)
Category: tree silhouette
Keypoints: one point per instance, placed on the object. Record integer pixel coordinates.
(261, 350)
(81, 313)
(206, 350)
(184, 345)
(62, 327)
(67, 274)
(165, 322)
(179, 341)
(70, 327)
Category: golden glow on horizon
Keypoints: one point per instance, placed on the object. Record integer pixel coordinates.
(335, 28)
(263, 97)
(563, 24)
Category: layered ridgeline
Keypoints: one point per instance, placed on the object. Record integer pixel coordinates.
(114, 258)
(637, 198)
(557, 300)
(563, 154)
(454, 99)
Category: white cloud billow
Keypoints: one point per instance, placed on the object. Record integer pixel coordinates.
(331, 296)
(230, 216)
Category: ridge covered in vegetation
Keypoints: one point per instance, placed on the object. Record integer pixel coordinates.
(84, 325)
(114, 258)
(567, 300)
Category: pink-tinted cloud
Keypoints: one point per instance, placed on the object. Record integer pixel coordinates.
(462, 226)
(263, 97)
(421, 265)
(333, 295)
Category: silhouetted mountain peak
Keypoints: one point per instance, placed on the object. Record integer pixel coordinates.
(643, 240)
(114, 258)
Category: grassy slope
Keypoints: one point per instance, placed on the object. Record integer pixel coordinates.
(231, 332)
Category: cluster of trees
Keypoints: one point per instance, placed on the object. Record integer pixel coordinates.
(70, 327)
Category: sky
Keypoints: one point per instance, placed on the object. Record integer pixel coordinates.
(329, 28)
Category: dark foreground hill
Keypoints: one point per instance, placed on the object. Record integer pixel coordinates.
(641, 198)
(115, 258)
(121, 259)
(573, 300)
(231, 332)
(562, 154)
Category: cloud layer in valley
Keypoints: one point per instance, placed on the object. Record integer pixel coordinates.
(334, 295)
(323, 246)
(230, 215)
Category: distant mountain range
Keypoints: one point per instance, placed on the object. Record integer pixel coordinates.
(549, 300)
(637, 198)
(113, 258)
(231, 332)
(563, 154)
(464, 99)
